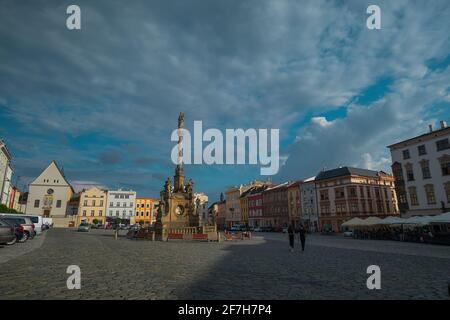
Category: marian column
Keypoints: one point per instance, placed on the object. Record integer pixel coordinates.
(179, 172)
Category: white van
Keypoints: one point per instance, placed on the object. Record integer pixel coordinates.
(37, 220)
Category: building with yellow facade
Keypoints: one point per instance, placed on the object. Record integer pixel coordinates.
(144, 211)
(92, 206)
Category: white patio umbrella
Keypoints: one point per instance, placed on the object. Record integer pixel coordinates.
(371, 221)
(391, 220)
(418, 220)
(354, 222)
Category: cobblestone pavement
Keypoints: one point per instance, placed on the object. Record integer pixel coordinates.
(10, 252)
(260, 268)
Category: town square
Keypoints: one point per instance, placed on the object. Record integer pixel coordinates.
(261, 269)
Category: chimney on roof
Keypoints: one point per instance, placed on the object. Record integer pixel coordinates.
(430, 126)
(443, 124)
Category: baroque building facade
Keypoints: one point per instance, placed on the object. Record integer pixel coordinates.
(49, 195)
(92, 206)
(121, 204)
(344, 193)
(421, 166)
(308, 199)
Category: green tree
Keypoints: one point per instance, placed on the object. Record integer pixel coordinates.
(95, 221)
(5, 209)
(141, 223)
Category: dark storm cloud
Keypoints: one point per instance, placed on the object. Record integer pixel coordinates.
(145, 161)
(110, 157)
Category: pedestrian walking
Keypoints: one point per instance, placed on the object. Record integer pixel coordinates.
(302, 235)
(291, 238)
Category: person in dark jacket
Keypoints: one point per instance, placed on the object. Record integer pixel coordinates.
(291, 238)
(302, 236)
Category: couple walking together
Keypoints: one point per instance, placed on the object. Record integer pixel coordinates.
(302, 235)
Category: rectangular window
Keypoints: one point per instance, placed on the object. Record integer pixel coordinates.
(421, 149)
(426, 172)
(429, 191)
(402, 198)
(447, 191)
(100, 213)
(324, 195)
(413, 196)
(58, 203)
(406, 154)
(84, 213)
(36, 203)
(85, 203)
(101, 203)
(339, 193)
(92, 213)
(352, 192)
(442, 145)
(93, 203)
(445, 167)
(410, 174)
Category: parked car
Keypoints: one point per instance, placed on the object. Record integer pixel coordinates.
(257, 229)
(25, 222)
(327, 229)
(7, 233)
(21, 235)
(285, 229)
(348, 233)
(35, 219)
(84, 227)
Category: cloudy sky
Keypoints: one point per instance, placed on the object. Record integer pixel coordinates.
(102, 101)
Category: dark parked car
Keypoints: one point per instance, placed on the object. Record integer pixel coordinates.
(19, 231)
(327, 229)
(26, 223)
(7, 233)
(84, 227)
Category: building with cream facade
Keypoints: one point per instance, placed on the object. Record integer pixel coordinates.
(92, 206)
(5, 172)
(233, 202)
(421, 166)
(49, 194)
